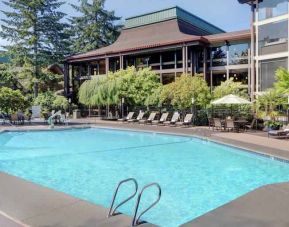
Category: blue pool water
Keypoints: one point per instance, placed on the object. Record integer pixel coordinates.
(196, 176)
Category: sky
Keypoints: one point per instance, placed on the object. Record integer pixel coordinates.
(226, 14)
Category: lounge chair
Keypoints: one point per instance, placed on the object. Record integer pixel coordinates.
(217, 124)
(211, 123)
(14, 119)
(150, 119)
(278, 134)
(64, 119)
(187, 121)
(128, 117)
(251, 126)
(2, 119)
(174, 119)
(230, 125)
(139, 117)
(161, 121)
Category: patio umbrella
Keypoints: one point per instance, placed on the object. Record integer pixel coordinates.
(231, 100)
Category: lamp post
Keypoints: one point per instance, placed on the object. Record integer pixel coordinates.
(288, 111)
(193, 108)
(69, 105)
(122, 108)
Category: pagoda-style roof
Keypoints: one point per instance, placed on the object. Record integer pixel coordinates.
(168, 27)
(146, 37)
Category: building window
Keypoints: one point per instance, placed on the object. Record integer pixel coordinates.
(218, 77)
(267, 72)
(273, 38)
(168, 78)
(272, 8)
(128, 61)
(168, 60)
(219, 56)
(102, 67)
(240, 75)
(238, 54)
(114, 64)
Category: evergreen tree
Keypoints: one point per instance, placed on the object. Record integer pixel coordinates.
(95, 27)
(36, 34)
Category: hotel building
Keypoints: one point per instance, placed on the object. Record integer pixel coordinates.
(173, 41)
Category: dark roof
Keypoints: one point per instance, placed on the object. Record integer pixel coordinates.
(154, 35)
(248, 1)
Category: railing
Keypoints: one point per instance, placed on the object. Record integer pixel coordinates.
(112, 211)
(136, 219)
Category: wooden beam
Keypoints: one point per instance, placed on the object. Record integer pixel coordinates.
(66, 80)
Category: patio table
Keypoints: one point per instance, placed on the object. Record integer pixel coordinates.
(240, 124)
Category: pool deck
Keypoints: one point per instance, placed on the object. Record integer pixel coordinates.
(35, 205)
(24, 203)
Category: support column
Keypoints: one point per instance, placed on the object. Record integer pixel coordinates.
(66, 80)
(121, 61)
(205, 62)
(192, 63)
(88, 70)
(106, 65)
(176, 64)
(185, 59)
(228, 59)
(252, 66)
(73, 84)
(211, 72)
(161, 68)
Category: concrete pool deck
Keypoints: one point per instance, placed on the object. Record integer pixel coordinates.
(35, 205)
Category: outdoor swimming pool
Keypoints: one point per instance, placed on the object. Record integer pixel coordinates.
(196, 176)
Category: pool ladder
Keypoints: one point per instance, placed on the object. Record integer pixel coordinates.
(136, 218)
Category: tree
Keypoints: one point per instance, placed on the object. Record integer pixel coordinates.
(282, 84)
(60, 102)
(132, 85)
(137, 85)
(179, 94)
(269, 100)
(230, 87)
(36, 33)
(45, 100)
(94, 28)
(186, 87)
(12, 100)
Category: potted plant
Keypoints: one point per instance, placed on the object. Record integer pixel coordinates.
(273, 125)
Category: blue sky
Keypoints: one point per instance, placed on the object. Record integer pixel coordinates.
(226, 14)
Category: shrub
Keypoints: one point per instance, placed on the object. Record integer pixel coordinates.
(60, 102)
(12, 100)
(45, 100)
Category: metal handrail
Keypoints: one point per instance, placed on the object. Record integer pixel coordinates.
(111, 210)
(136, 220)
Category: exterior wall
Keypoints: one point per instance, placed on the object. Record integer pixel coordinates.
(271, 49)
(218, 63)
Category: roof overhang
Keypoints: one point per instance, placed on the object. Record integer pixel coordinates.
(248, 1)
(141, 50)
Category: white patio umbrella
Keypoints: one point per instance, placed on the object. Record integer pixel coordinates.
(231, 100)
